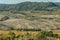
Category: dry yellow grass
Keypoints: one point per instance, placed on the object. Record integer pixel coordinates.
(56, 31)
(34, 33)
(5, 33)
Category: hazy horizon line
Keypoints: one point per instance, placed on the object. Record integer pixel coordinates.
(24, 1)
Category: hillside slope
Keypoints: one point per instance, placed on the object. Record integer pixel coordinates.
(30, 15)
(28, 6)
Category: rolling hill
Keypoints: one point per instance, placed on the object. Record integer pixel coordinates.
(28, 6)
(30, 15)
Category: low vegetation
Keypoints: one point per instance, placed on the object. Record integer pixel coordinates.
(28, 35)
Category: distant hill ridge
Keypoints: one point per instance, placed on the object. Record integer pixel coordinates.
(27, 6)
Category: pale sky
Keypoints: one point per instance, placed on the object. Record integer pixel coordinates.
(19, 1)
